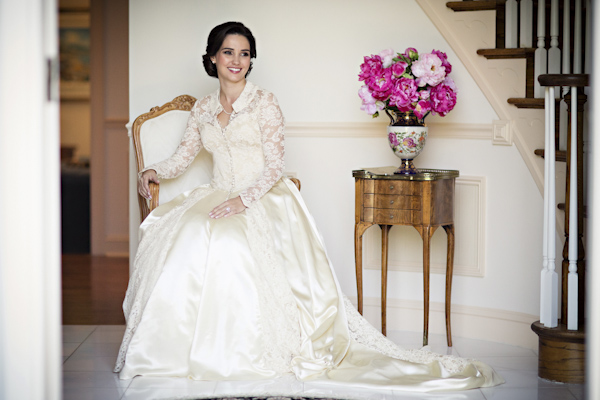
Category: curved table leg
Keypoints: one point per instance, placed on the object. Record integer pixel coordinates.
(385, 229)
(449, 271)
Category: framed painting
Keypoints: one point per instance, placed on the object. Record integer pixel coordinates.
(74, 51)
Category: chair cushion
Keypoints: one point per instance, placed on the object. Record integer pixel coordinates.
(159, 137)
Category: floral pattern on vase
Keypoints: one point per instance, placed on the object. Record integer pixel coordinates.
(407, 142)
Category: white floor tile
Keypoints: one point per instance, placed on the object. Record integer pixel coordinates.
(577, 390)
(105, 336)
(76, 333)
(93, 379)
(343, 392)
(286, 385)
(145, 382)
(522, 379)
(72, 393)
(474, 394)
(89, 348)
(542, 393)
(527, 363)
(90, 363)
(69, 348)
(154, 394)
(472, 348)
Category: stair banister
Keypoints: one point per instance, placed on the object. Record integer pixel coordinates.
(566, 69)
(577, 39)
(554, 51)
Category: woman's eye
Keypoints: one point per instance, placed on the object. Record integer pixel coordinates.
(228, 52)
(245, 54)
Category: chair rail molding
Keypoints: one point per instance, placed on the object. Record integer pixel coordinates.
(446, 130)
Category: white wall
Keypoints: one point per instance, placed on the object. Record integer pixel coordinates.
(309, 54)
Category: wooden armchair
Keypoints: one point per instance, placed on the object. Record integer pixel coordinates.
(156, 135)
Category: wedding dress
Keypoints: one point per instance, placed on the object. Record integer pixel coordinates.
(254, 296)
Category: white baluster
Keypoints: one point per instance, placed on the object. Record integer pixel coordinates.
(541, 56)
(566, 68)
(526, 23)
(549, 278)
(544, 306)
(572, 298)
(511, 24)
(577, 39)
(554, 51)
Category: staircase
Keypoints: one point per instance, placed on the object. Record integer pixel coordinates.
(536, 31)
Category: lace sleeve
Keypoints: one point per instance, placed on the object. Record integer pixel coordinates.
(272, 125)
(188, 149)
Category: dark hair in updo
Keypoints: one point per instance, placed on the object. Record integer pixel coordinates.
(215, 41)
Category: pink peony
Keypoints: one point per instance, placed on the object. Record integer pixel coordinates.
(443, 99)
(399, 68)
(424, 94)
(386, 57)
(422, 108)
(393, 139)
(371, 67)
(444, 58)
(404, 93)
(428, 69)
(381, 86)
(369, 104)
(450, 83)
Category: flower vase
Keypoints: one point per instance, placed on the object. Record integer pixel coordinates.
(406, 135)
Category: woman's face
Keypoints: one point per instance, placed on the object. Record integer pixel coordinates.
(233, 58)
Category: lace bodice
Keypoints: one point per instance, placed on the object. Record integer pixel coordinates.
(248, 154)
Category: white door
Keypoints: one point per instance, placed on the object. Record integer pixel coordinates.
(30, 338)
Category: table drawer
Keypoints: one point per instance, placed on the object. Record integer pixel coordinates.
(392, 216)
(392, 201)
(382, 186)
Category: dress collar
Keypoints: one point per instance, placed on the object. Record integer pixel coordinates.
(242, 101)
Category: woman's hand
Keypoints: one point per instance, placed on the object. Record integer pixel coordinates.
(143, 182)
(228, 208)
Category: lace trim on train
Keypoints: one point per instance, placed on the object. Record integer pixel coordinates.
(279, 312)
(364, 333)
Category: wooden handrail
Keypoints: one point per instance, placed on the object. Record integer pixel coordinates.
(576, 80)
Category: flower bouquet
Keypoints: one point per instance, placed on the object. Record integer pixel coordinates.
(408, 87)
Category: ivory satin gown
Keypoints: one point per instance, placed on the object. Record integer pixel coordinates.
(254, 296)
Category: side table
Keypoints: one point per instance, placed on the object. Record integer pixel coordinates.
(425, 201)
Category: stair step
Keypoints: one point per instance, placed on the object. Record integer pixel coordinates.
(562, 207)
(561, 155)
(481, 5)
(495, 54)
(526, 102)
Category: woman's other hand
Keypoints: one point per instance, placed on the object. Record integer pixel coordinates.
(143, 183)
(228, 208)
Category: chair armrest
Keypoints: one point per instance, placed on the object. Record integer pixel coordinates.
(154, 190)
(296, 182)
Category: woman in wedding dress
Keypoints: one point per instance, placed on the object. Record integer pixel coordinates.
(232, 281)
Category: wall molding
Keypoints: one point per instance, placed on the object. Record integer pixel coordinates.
(490, 324)
(446, 130)
(502, 133)
(469, 258)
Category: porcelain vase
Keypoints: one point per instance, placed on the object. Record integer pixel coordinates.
(406, 136)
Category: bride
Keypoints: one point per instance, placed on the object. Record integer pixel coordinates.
(231, 280)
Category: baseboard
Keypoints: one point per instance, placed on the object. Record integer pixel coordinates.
(471, 322)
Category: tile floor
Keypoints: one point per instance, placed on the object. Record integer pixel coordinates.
(89, 353)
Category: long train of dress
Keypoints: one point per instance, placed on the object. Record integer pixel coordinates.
(254, 296)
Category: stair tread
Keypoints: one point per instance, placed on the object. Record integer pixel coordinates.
(526, 102)
(506, 53)
(472, 5)
(561, 155)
